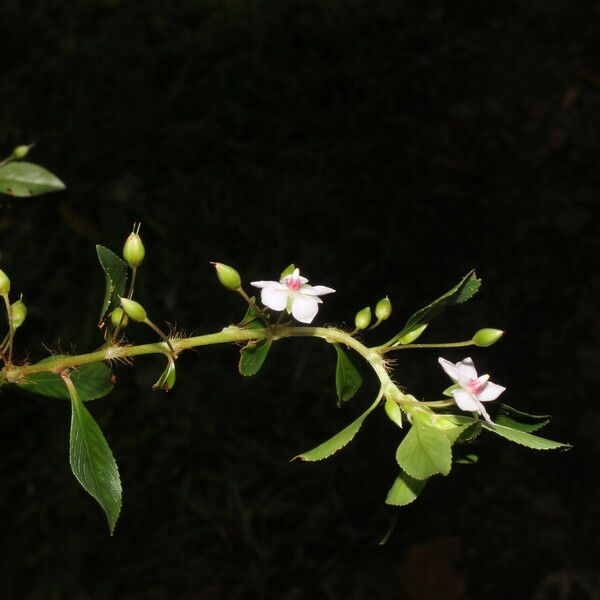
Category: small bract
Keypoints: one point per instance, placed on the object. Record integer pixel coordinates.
(470, 390)
(293, 295)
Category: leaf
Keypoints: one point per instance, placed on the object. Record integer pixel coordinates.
(115, 272)
(347, 376)
(516, 419)
(525, 439)
(424, 451)
(338, 441)
(461, 292)
(287, 271)
(92, 461)
(251, 320)
(252, 356)
(24, 179)
(467, 459)
(91, 381)
(404, 490)
(469, 434)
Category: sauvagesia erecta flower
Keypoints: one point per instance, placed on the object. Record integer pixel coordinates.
(470, 390)
(294, 295)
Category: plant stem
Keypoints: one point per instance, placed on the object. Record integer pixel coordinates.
(162, 335)
(254, 307)
(11, 329)
(441, 345)
(13, 373)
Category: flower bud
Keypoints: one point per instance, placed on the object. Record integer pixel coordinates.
(412, 335)
(487, 337)
(21, 151)
(118, 317)
(363, 318)
(134, 310)
(392, 410)
(228, 277)
(4, 283)
(383, 309)
(18, 312)
(133, 250)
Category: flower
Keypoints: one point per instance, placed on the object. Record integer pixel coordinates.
(294, 295)
(470, 390)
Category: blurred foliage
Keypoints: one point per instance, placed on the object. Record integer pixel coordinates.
(384, 147)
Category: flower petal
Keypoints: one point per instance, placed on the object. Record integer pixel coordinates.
(485, 414)
(490, 392)
(466, 370)
(304, 308)
(317, 290)
(263, 284)
(465, 400)
(450, 368)
(295, 276)
(275, 297)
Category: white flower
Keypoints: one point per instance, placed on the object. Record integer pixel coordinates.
(294, 295)
(470, 390)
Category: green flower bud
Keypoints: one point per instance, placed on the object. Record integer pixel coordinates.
(411, 336)
(134, 310)
(4, 283)
(133, 250)
(21, 151)
(363, 318)
(383, 309)
(118, 317)
(393, 411)
(487, 337)
(19, 313)
(228, 276)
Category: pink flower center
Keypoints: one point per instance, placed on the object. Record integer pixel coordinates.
(475, 385)
(293, 284)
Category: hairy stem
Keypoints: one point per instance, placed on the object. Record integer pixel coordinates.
(14, 373)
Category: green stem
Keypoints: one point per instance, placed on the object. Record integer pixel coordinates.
(441, 345)
(13, 373)
(254, 307)
(167, 341)
(11, 329)
(115, 335)
(439, 403)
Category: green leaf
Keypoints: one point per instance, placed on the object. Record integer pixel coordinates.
(469, 434)
(524, 438)
(115, 272)
(287, 271)
(251, 320)
(425, 450)
(92, 461)
(338, 441)
(467, 459)
(24, 179)
(404, 490)
(252, 357)
(461, 292)
(448, 391)
(91, 381)
(347, 376)
(516, 419)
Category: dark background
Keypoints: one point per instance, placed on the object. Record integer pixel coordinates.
(385, 147)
